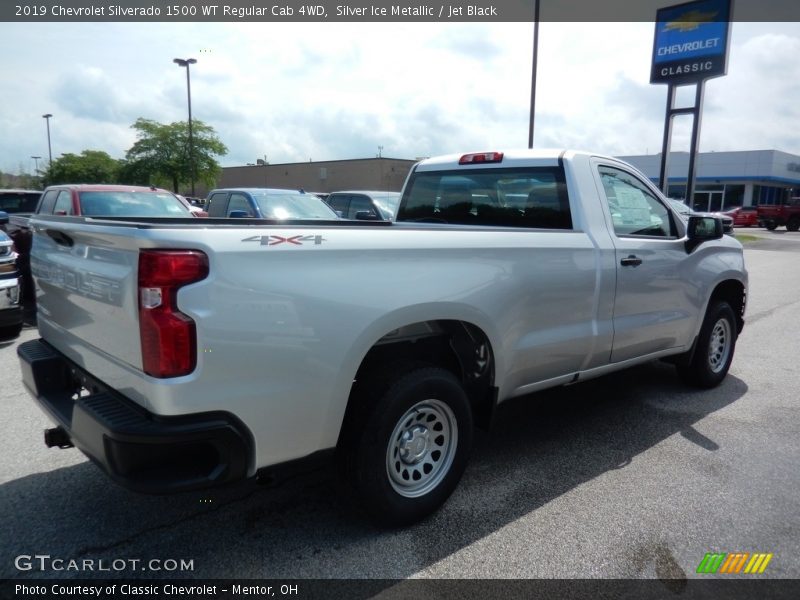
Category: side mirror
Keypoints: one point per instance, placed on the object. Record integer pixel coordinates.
(3, 217)
(367, 215)
(701, 229)
(238, 214)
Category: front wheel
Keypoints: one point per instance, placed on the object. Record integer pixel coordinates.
(715, 346)
(793, 224)
(409, 443)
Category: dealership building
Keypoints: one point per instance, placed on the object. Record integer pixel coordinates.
(725, 180)
(386, 174)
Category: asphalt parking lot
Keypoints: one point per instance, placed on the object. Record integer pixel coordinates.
(628, 476)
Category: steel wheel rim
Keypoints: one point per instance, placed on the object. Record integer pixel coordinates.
(421, 448)
(719, 346)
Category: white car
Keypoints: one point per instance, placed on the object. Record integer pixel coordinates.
(197, 211)
(10, 311)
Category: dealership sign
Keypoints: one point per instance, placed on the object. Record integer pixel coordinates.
(691, 42)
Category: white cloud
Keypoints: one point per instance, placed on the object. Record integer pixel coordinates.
(325, 91)
(752, 107)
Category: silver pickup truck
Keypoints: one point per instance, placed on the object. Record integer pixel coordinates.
(180, 354)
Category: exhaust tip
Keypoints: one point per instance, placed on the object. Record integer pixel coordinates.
(57, 437)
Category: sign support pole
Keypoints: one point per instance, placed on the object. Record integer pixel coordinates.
(533, 70)
(663, 176)
(696, 111)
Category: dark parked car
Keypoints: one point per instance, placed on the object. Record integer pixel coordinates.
(19, 201)
(267, 203)
(18, 205)
(10, 311)
(368, 205)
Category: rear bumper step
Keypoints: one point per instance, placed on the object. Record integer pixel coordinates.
(57, 437)
(140, 450)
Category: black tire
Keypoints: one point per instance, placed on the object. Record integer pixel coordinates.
(715, 347)
(793, 225)
(422, 412)
(771, 226)
(10, 332)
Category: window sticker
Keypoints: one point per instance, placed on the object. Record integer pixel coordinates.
(632, 205)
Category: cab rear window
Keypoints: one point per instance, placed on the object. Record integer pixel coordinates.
(528, 197)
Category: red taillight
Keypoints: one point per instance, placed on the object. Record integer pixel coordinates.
(481, 157)
(169, 340)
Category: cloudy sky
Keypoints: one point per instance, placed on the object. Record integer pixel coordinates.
(325, 91)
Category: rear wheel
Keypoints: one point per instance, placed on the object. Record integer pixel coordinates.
(715, 346)
(771, 226)
(793, 224)
(408, 442)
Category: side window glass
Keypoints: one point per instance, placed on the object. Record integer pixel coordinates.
(361, 204)
(340, 203)
(239, 202)
(48, 202)
(63, 203)
(217, 205)
(634, 209)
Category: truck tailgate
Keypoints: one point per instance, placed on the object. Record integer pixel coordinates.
(87, 288)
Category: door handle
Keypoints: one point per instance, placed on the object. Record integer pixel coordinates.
(631, 261)
(60, 238)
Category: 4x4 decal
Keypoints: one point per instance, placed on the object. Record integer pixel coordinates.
(295, 240)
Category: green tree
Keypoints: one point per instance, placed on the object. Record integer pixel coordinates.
(161, 154)
(90, 166)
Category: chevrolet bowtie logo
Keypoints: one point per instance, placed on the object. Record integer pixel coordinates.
(690, 21)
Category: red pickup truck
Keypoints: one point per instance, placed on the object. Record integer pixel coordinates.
(772, 216)
(88, 200)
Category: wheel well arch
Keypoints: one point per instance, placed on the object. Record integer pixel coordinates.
(457, 346)
(733, 292)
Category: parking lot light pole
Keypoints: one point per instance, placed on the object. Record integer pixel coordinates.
(49, 147)
(36, 162)
(534, 64)
(185, 63)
